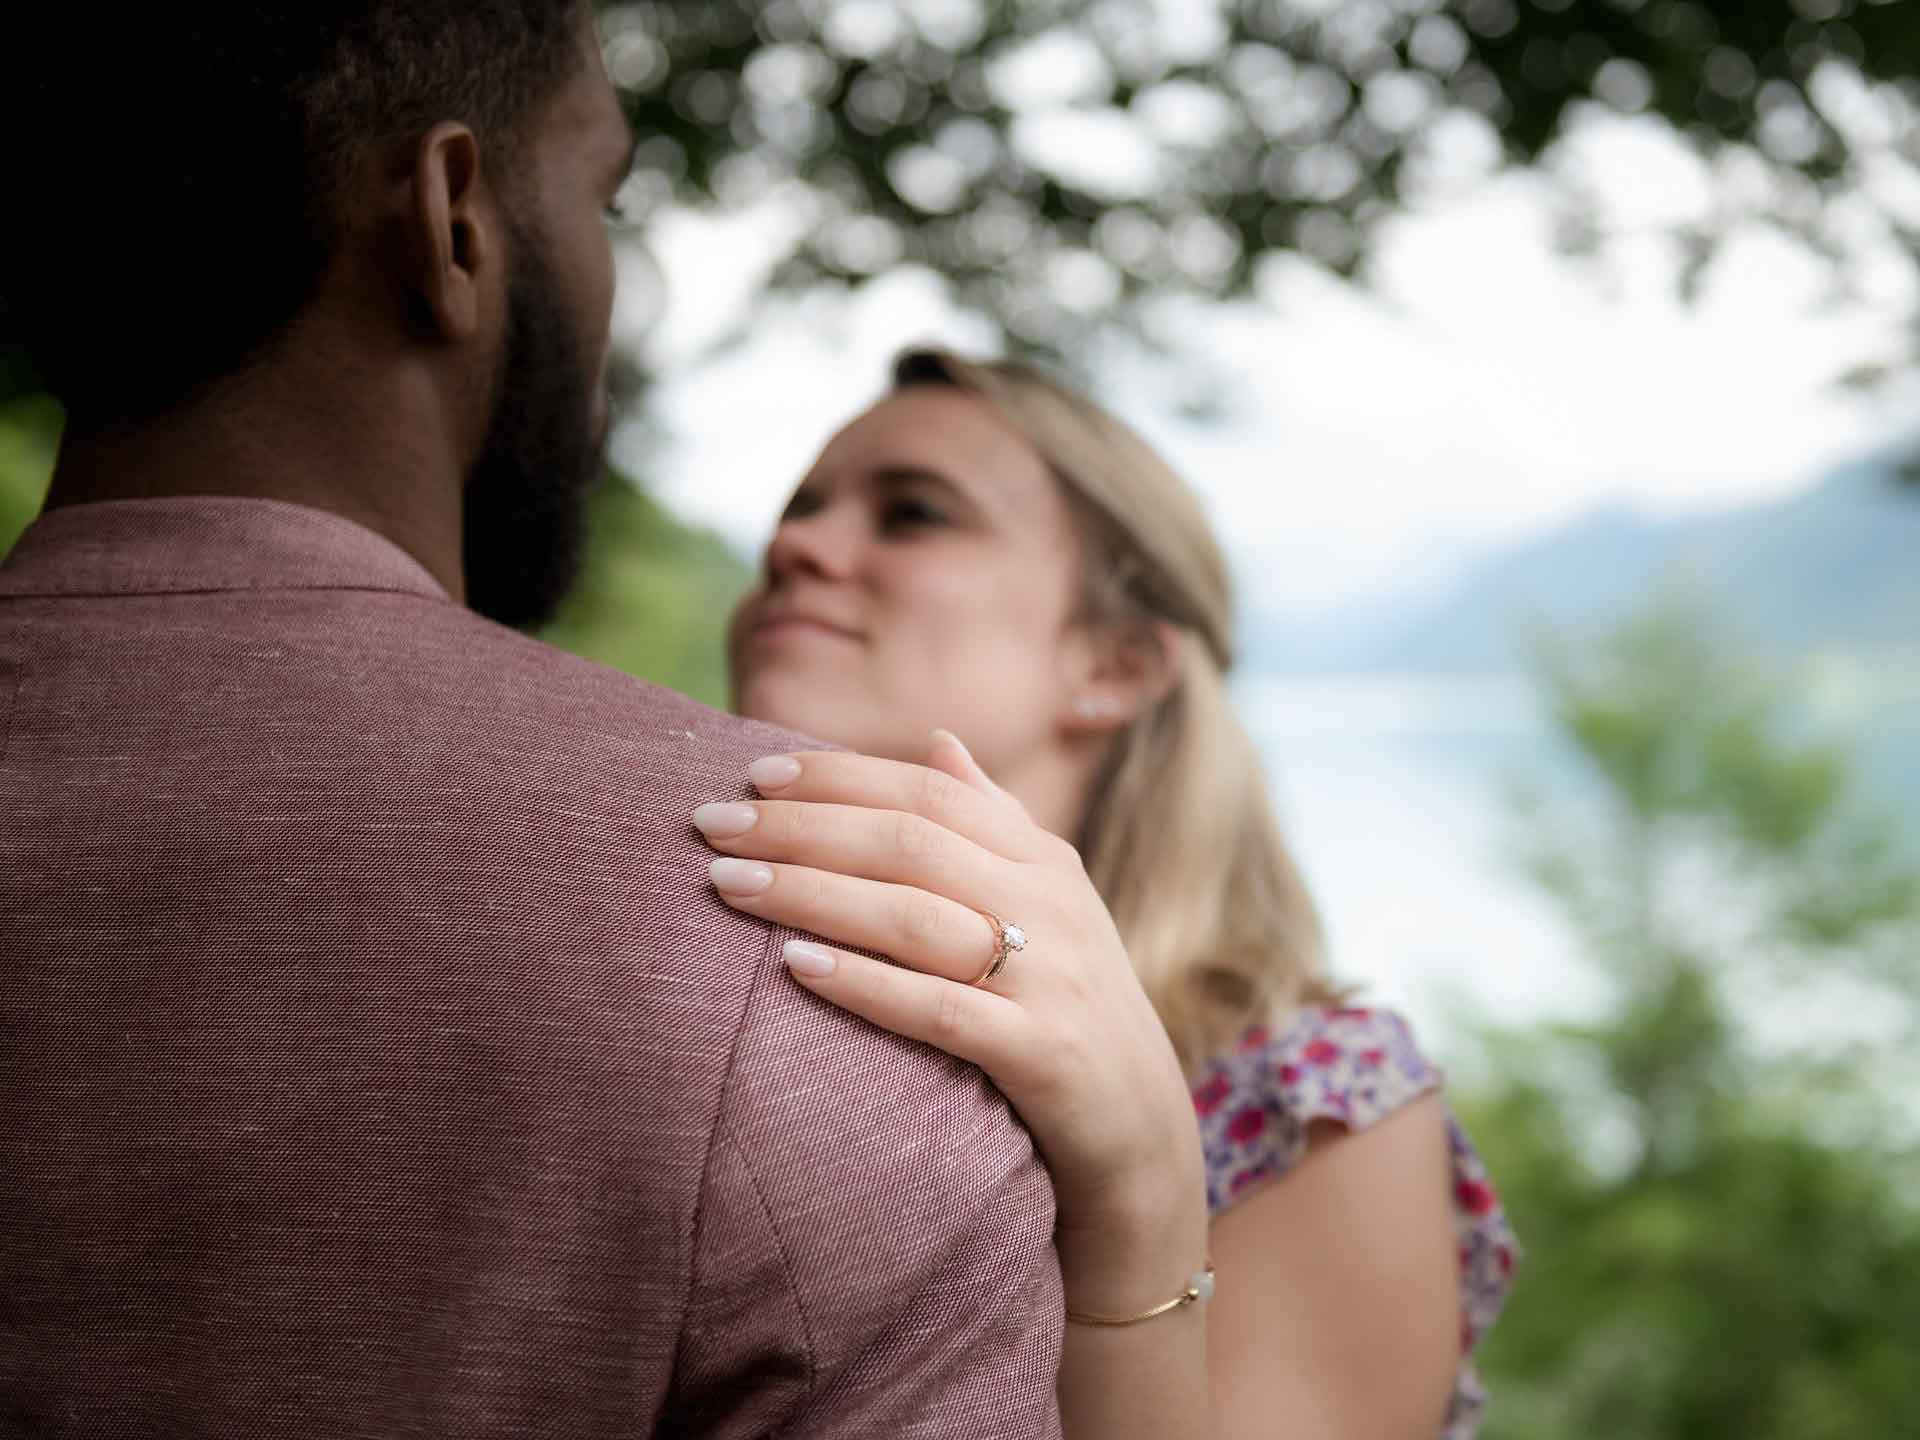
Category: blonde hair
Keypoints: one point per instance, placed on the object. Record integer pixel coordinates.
(1180, 838)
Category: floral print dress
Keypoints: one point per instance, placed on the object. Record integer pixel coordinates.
(1354, 1067)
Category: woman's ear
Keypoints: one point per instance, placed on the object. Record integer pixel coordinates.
(452, 230)
(1131, 669)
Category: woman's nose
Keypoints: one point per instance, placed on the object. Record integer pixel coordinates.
(823, 544)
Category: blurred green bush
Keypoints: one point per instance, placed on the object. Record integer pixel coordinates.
(29, 435)
(653, 596)
(1714, 1181)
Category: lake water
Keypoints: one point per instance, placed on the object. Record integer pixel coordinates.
(1392, 789)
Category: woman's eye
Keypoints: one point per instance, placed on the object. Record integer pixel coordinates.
(910, 515)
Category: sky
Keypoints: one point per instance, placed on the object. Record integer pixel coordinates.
(1372, 443)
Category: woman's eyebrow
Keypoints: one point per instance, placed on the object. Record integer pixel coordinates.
(912, 475)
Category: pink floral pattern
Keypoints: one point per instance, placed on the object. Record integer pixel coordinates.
(1355, 1067)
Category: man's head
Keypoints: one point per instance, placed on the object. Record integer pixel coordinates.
(411, 188)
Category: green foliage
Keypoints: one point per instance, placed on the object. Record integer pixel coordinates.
(1270, 125)
(1719, 1231)
(1266, 127)
(654, 595)
(29, 436)
(1715, 819)
(1767, 1287)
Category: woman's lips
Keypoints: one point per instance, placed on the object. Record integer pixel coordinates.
(777, 627)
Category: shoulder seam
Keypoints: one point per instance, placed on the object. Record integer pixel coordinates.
(722, 1132)
(11, 698)
(786, 1262)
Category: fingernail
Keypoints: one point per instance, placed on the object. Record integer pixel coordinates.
(776, 772)
(740, 877)
(805, 959)
(724, 821)
(940, 735)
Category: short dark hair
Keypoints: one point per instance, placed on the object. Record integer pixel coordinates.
(134, 276)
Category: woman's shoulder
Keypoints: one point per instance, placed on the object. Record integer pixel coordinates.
(1350, 1065)
(1353, 1066)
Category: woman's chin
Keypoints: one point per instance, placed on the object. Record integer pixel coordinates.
(778, 700)
(829, 715)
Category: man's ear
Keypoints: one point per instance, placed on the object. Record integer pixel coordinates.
(453, 230)
(1133, 668)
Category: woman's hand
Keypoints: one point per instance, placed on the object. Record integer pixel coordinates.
(909, 861)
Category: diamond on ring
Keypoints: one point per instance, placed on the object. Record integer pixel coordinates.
(1008, 938)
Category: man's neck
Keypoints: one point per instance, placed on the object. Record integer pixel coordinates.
(327, 448)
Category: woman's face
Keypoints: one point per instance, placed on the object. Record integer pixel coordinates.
(923, 575)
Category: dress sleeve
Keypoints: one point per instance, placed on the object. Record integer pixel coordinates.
(1354, 1067)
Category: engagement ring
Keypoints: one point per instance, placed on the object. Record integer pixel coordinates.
(1007, 938)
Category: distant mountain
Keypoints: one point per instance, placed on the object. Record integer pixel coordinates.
(1836, 566)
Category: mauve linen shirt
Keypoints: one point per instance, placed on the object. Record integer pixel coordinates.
(375, 1059)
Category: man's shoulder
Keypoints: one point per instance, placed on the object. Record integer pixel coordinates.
(498, 688)
(873, 1213)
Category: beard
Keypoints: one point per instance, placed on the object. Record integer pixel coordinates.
(526, 495)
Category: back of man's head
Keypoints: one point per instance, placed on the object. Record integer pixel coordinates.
(183, 167)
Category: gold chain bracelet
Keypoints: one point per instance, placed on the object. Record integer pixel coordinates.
(1199, 1288)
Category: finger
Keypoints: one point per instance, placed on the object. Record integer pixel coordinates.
(839, 777)
(891, 845)
(969, 1023)
(922, 931)
(947, 752)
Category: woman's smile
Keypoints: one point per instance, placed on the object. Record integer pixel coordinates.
(787, 624)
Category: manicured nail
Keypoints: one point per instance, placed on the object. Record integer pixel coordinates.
(724, 821)
(805, 959)
(740, 877)
(776, 772)
(958, 743)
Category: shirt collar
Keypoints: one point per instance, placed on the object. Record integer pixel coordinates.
(205, 543)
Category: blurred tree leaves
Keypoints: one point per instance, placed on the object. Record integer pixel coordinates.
(956, 134)
(654, 595)
(29, 435)
(1722, 835)
(1061, 162)
(1719, 1227)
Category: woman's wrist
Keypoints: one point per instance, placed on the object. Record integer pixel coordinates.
(1135, 1257)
